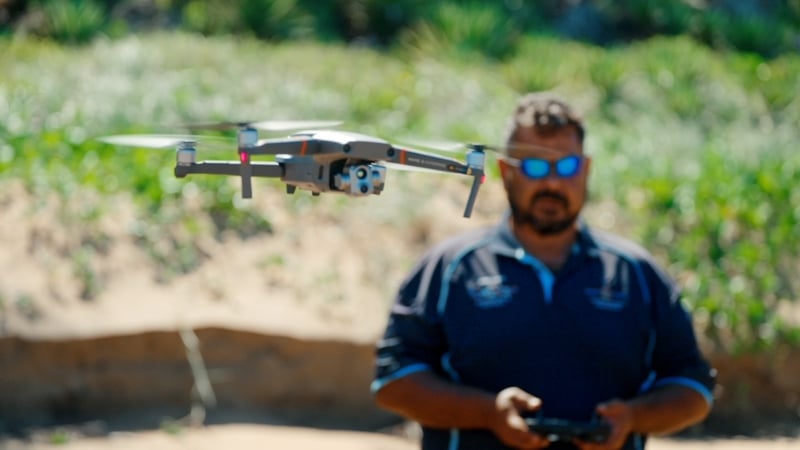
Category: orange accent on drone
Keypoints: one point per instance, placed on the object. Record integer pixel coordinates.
(304, 148)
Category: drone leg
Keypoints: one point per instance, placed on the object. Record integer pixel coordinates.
(473, 194)
(290, 189)
(246, 175)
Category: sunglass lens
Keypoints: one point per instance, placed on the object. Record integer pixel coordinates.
(535, 168)
(568, 166)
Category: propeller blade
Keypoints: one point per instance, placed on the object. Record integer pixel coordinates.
(268, 125)
(284, 125)
(452, 147)
(162, 141)
(216, 126)
(444, 146)
(459, 147)
(529, 147)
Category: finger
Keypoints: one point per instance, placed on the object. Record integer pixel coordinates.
(525, 401)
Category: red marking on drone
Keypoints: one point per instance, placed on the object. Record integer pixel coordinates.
(244, 157)
(303, 148)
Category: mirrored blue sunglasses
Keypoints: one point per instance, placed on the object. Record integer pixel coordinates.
(538, 168)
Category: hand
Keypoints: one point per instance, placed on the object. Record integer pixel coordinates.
(620, 416)
(509, 426)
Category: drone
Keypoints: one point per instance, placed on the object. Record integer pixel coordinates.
(318, 159)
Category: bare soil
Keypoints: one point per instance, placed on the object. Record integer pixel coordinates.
(275, 315)
(259, 437)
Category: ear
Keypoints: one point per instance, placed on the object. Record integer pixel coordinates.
(505, 172)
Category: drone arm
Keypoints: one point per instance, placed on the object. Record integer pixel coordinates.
(428, 161)
(473, 167)
(260, 169)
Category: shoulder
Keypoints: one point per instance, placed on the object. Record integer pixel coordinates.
(607, 242)
(455, 249)
(622, 248)
(457, 246)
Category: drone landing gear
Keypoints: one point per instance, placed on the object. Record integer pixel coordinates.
(476, 160)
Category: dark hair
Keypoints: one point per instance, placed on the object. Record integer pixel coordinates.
(544, 111)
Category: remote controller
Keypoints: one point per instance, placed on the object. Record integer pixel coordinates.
(565, 430)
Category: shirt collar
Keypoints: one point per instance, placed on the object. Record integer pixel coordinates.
(507, 244)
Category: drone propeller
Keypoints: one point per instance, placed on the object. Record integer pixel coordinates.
(444, 146)
(267, 125)
(460, 147)
(283, 125)
(451, 146)
(164, 141)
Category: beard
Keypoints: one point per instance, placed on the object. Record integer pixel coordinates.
(523, 215)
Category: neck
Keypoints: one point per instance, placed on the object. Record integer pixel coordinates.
(551, 249)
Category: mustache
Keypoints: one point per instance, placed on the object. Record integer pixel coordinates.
(551, 195)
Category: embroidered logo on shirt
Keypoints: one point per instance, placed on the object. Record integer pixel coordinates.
(490, 292)
(606, 299)
(613, 294)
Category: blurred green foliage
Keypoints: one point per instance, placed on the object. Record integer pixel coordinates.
(696, 147)
(768, 28)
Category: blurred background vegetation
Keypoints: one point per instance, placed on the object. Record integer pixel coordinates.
(692, 108)
(766, 27)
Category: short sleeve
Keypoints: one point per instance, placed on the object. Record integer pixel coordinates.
(413, 340)
(676, 357)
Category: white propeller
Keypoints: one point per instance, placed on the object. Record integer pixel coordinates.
(163, 141)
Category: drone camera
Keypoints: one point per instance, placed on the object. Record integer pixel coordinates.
(360, 180)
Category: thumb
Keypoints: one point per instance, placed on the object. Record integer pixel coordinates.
(529, 402)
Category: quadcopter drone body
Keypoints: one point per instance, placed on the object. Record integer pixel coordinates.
(317, 161)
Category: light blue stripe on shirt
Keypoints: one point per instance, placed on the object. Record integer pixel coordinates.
(687, 382)
(408, 370)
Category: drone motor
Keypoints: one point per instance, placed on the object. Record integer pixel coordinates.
(186, 153)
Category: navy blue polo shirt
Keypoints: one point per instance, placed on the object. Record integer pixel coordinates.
(479, 310)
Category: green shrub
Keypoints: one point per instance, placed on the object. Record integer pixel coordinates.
(72, 21)
(466, 28)
(695, 149)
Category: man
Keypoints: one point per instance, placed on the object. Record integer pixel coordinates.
(541, 315)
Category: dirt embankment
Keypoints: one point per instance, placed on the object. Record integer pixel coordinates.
(285, 323)
(266, 378)
(284, 379)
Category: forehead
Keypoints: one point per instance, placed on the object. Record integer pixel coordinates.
(528, 142)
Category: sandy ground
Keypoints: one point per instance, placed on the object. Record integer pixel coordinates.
(261, 437)
(307, 280)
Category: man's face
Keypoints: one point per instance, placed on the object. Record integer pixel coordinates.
(551, 204)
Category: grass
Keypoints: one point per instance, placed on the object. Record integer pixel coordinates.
(695, 147)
